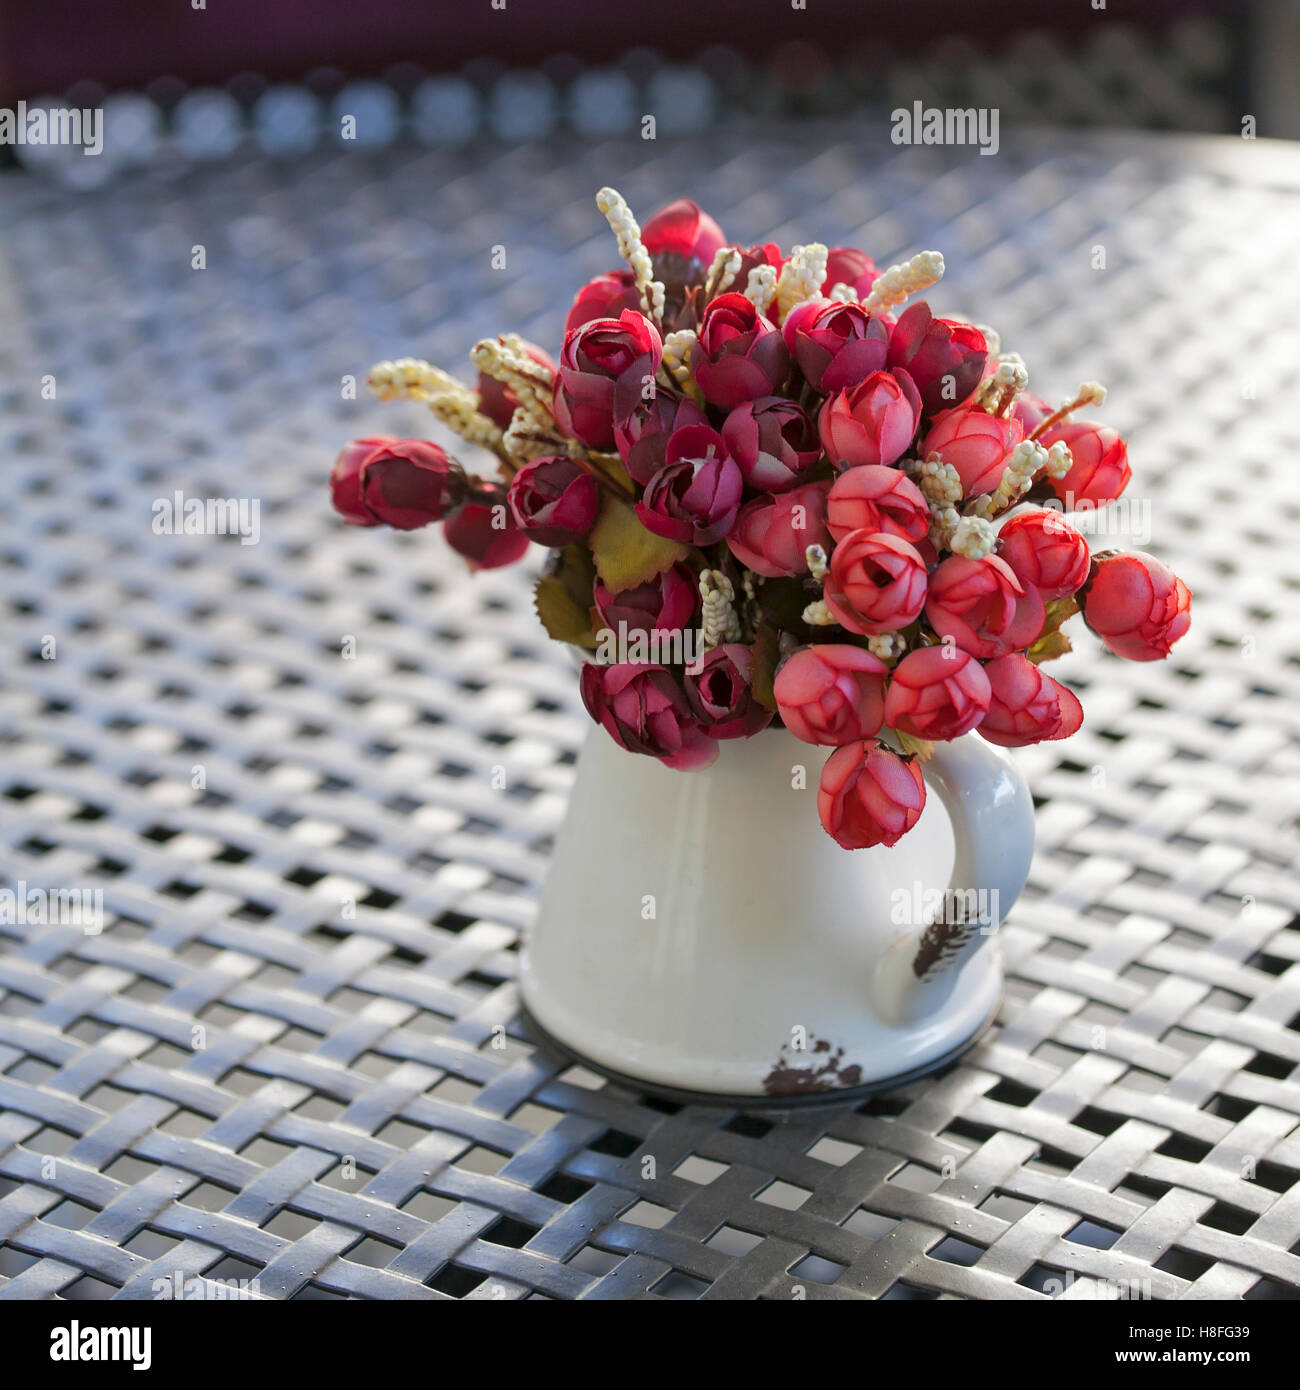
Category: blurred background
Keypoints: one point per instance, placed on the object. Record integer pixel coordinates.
(180, 80)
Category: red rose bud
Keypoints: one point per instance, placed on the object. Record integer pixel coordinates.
(405, 483)
(1045, 552)
(875, 498)
(719, 691)
(1136, 605)
(695, 496)
(498, 401)
(666, 603)
(846, 265)
(1026, 704)
(773, 441)
(937, 693)
(876, 583)
(738, 355)
(872, 422)
(1031, 411)
(484, 532)
(553, 501)
(605, 297)
(944, 357)
(869, 796)
(682, 229)
(602, 373)
(643, 709)
(642, 436)
(976, 444)
(771, 534)
(1100, 470)
(836, 345)
(982, 606)
(832, 693)
(751, 257)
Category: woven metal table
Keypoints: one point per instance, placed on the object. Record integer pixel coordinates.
(291, 1056)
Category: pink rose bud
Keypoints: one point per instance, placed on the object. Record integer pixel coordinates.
(872, 422)
(642, 436)
(1045, 552)
(663, 604)
(944, 357)
(484, 531)
(832, 693)
(876, 583)
(738, 355)
(1100, 471)
(869, 796)
(498, 401)
(643, 709)
(773, 441)
(682, 229)
(605, 297)
(695, 496)
(875, 498)
(1026, 704)
(982, 606)
(836, 345)
(602, 374)
(405, 483)
(1030, 410)
(976, 444)
(937, 693)
(719, 690)
(1136, 605)
(846, 265)
(553, 501)
(771, 534)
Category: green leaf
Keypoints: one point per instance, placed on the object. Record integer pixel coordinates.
(626, 554)
(767, 653)
(560, 615)
(1049, 647)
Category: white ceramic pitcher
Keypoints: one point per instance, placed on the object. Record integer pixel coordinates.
(700, 933)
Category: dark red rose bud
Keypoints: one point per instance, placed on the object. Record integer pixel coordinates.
(1026, 705)
(603, 373)
(695, 496)
(719, 689)
(1137, 606)
(982, 606)
(605, 297)
(642, 436)
(738, 354)
(751, 257)
(404, 483)
(836, 345)
(937, 693)
(773, 440)
(553, 501)
(1046, 552)
(846, 265)
(498, 401)
(643, 709)
(772, 534)
(483, 531)
(944, 357)
(872, 497)
(682, 229)
(666, 603)
(868, 795)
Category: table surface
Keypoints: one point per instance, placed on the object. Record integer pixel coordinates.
(239, 1079)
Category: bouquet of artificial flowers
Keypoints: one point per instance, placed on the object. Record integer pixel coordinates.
(772, 493)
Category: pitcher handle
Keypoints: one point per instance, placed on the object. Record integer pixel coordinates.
(992, 814)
